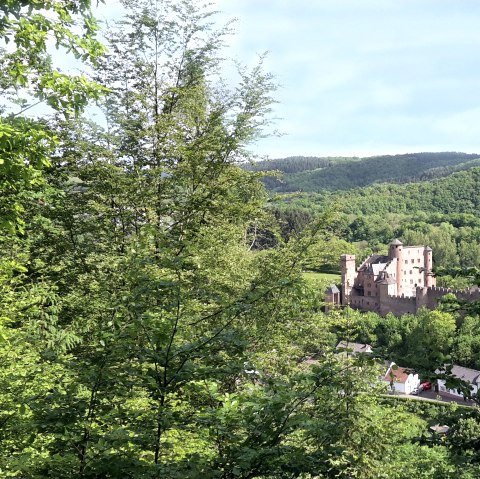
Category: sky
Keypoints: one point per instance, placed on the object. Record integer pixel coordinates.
(363, 77)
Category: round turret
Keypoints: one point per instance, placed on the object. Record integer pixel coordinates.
(429, 280)
(396, 252)
(396, 247)
(347, 262)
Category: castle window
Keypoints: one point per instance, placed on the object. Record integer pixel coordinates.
(406, 261)
(419, 280)
(411, 281)
(418, 260)
(369, 294)
(413, 261)
(410, 271)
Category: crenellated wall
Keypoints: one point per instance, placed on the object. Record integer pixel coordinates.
(425, 297)
(398, 305)
(429, 297)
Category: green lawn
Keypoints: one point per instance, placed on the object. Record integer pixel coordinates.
(321, 279)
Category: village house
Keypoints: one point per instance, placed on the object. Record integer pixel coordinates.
(401, 380)
(470, 376)
(353, 348)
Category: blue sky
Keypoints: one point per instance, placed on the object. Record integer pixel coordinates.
(364, 77)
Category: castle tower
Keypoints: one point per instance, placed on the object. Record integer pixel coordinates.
(386, 287)
(396, 252)
(429, 280)
(347, 262)
(421, 298)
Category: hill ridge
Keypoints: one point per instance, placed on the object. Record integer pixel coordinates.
(312, 174)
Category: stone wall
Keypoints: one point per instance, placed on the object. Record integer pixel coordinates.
(365, 303)
(398, 305)
(429, 297)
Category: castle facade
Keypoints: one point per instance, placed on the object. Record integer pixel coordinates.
(399, 283)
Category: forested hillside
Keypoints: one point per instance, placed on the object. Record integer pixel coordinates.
(155, 318)
(443, 213)
(296, 164)
(457, 193)
(331, 174)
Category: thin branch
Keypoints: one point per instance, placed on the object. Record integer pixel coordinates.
(13, 115)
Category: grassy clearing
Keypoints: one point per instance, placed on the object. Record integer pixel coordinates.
(321, 279)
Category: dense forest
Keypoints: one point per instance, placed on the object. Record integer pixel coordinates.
(442, 213)
(155, 318)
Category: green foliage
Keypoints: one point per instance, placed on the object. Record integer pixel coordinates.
(442, 214)
(466, 349)
(462, 442)
(320, 281)
(150, 294)
(324, 255)
(430, 339)
(28, 76)
(25, 147)
(424, 341)
(144, 333)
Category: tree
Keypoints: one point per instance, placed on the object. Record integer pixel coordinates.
(442, 241)
(466, 347)
(463, 443)
(325, 254)
(148, 222)
(29, 76)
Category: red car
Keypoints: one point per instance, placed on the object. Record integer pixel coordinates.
(425, 386)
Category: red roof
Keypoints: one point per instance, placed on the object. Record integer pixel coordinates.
(398, 375)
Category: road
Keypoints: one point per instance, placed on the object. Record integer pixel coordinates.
(431, 395)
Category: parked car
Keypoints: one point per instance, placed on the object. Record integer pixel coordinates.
(416, 391)
(426, 386)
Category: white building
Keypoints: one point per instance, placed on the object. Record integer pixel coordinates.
(470, 376)
(401, 380)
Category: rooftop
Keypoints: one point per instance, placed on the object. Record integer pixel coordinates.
(354, 347)
(388, 280)
(374, 264)
(397, 375)
(332, 289)
(470, 375)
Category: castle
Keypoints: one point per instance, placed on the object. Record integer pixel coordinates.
(399, 283)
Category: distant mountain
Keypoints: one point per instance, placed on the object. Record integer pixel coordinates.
(296, 164)
(343, 173)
